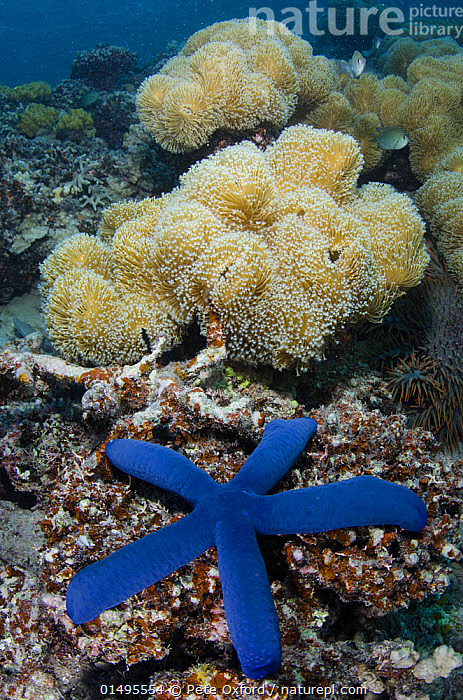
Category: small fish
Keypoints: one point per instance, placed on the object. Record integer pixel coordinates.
(353, 67)
(392, 138)
(375, 44)
(22, 329)
(89, 98)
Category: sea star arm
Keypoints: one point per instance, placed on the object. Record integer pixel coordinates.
(363, 500)
(281, 444)
(136, 566)
(249, 608)
(160, 466)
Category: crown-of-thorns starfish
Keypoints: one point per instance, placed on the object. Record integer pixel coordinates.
(228, 516)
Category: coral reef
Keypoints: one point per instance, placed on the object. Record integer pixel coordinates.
(362, 109)
(193, 407)
(232, 76)
(103, 66)
(50, 189)
(361, 607)
(431, 114)
(281, 245)
(426, 107)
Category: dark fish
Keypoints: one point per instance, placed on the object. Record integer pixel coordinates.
(22, 328)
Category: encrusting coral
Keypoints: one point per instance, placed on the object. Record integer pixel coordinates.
(280, 244)
(235, 75)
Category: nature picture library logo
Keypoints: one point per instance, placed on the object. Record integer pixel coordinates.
(417, 20)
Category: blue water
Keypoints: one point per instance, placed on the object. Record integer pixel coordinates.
(40, 38)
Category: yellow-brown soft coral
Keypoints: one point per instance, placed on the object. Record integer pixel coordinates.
(431, 114)
(280, 245)
(441, 202)
(236, 75)
(90, 321)
(427, 107)
(365, 106)
(398, 53)
(119, 212)
(78, 252)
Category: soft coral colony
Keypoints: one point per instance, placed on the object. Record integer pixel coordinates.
(280, 243)
(234, 76)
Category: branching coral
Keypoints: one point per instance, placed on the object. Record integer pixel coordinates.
(232, 75)
(280, 244)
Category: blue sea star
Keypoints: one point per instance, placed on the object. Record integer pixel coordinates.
(228, 516)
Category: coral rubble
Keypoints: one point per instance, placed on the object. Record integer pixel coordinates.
(90, 511)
